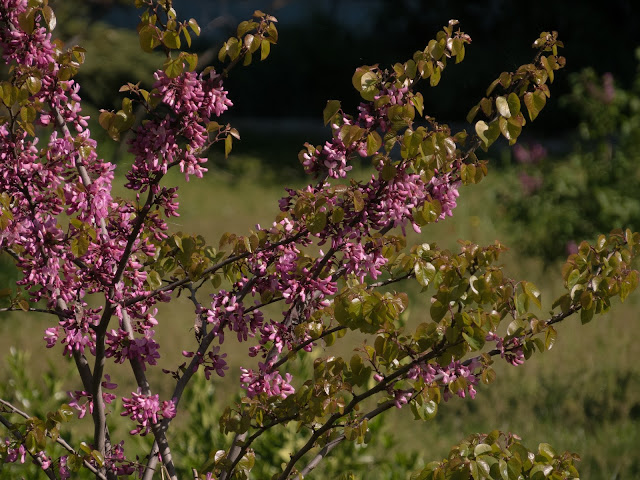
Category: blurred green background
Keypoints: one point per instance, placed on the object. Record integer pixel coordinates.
(575, 173)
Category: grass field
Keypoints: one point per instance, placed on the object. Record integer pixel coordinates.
(582, 396)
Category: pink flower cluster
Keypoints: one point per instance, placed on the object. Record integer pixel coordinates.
(510, 350)
(116, 461)
(332, 158)
(15, 452)
(529, 154)
(529, 183)
(146, 410)
(391, 203)
(213, 361)
(443, 189)
(431, 373)
(44, 183)
(64, 177)
(303, 282)
(227, 312)
(81, 400)
(121, 348)
(181, 135)
(272, 384)
(362, 262)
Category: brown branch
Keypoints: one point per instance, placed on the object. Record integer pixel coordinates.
(32, 309)
(59, 440)
(178, 283)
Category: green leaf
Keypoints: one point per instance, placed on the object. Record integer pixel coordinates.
(472, 113)
(228, 145)
(516, 326)
(546, 451)
(473, 467)
(503, 107)
(148, 36)
(374, 142)
(265, 49)
(173, 67)
(586, 315)
(192, 60)
(540, 472)
(468, 173)
(573, 278)
(514, 467)
(430, 409)
(389, 171)
(586, 300)
(187, 36)
(154, 280)
(431, 211)
(434, 79)
(26, 20)
(474, 343)
(273, 33)
(522, 303)
(34, 84)
(23, 305)
(493, 85)
(28, 114)
(481, 129)
(550, 338)
(488, 376)
(481, 449)
(337, 215)
(333, 106)
(546, 64)
(80, 245)
(418, 102)
(244, 27)
(369, 85)
(171, 39)
(194, 26)
(49, 17)
(483, 466)
(426, 411)
(438, 310)
(222, 53)
(317, 222)
(514, 104)
(534, 101)
(425, 272)
(533, 293)
(358, 201)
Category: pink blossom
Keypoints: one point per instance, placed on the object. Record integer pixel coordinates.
(146, 410)
(272, 384)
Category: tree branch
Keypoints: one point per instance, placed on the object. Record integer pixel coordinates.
(32, 309)
(386, 382)
(178, 283)
(59, 440)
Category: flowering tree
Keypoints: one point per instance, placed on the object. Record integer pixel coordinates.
(331, 258)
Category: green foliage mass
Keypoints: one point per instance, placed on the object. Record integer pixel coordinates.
(556, 201)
